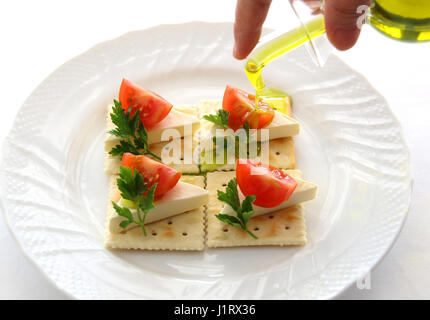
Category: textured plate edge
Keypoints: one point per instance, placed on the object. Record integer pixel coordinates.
(410, 188)
(95, 47)
(28, 255)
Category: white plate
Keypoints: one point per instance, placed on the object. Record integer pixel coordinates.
(55, 192)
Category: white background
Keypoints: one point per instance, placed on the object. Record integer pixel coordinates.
(39, 36)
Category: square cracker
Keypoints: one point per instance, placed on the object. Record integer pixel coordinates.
(282, 154)
(281, 151)
(181, 232)
(284, 227)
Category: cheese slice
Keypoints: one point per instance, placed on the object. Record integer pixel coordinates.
(282, 126)
(174, 120)
(305, 191)
(182, 198)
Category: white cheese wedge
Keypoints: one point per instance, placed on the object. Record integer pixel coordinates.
(174, 120)
(305, 191)
(182, 198)
(281, 126)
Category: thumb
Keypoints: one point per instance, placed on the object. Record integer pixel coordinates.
(343, 23)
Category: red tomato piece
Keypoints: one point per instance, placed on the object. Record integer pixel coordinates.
(156, 172)
(129, 160)
(153, 172)
(152, 108)
(270, 185)
(241, 106)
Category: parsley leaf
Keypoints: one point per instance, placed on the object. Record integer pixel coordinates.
(250, 141)
(234, 141)
(132, 187)
(131, 129)
(220, 118)
(247, 209)
(123, 147)
(231, 220)
(244, 211)
(230, 196)
(126, 125)
(147, 203)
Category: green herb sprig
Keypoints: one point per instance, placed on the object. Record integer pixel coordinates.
(249, 140)
(234, 141)
(220, 118)
(132, 187)
(131, 129)
(243, 211)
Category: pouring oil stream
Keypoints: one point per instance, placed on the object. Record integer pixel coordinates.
(274, 49)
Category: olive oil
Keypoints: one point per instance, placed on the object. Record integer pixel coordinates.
(275, 48)
(405, 20)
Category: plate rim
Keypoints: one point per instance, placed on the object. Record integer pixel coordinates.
(29, 255)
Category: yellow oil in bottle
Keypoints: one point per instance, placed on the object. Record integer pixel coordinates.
(405, 20)
(275, 48)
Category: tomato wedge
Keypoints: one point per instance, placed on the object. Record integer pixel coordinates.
(152, 172)
(151, 106)
(270, 185)
(129, 161)
(241, 106)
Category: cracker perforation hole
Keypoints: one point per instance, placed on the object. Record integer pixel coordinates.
(271, 216)
(184, 234)
(256, 228)
(169, 222)
(287, 227)
(154, 233)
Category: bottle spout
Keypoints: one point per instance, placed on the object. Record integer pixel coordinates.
(310, 31)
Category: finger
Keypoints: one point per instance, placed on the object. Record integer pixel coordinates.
(250, 15)
(343, 23)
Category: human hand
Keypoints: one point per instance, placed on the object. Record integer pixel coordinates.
(341, 18)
